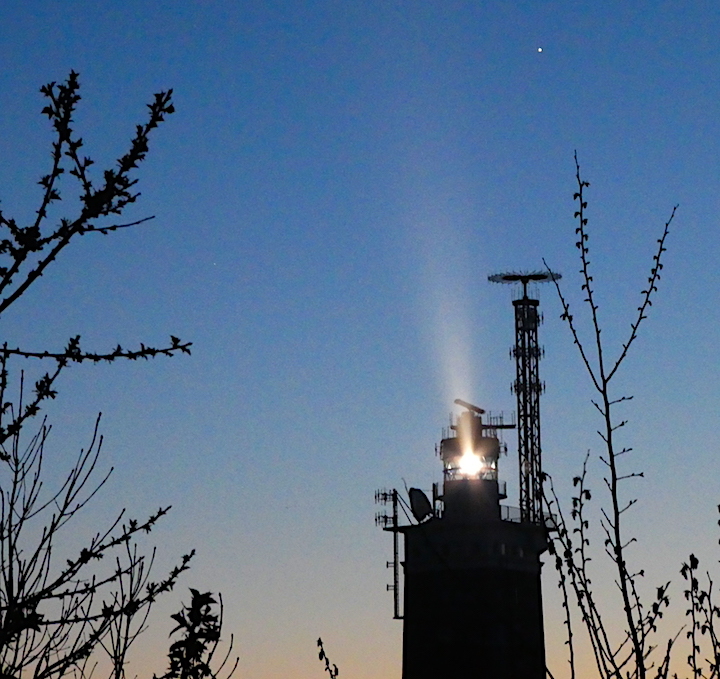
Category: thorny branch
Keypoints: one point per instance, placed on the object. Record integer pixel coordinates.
(58, 606)
(629, 657)
(332, 670)
(27, 251)
(52, 616)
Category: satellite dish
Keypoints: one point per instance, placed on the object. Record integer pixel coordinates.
(419, 504)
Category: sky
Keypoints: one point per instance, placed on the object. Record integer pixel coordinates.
(337, 183)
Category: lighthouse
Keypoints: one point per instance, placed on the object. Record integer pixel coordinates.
(469, 574)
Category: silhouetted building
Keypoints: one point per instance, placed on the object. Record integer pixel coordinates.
(471, 593)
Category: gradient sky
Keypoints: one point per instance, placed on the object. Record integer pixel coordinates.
(336, 185)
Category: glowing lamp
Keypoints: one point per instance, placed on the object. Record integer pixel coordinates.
(469, 464)
(470, 454)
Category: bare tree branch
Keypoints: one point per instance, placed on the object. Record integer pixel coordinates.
(628, 659)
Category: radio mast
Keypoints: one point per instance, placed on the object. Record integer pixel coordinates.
(528, 387)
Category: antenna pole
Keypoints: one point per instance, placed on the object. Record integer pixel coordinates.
(396, 557)
(392, 524)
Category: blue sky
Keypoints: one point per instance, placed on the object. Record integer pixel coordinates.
(336, 185)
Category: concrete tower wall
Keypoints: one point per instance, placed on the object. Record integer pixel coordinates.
(479, 623)
(472, 593)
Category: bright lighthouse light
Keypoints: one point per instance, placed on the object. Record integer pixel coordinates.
(470, 464)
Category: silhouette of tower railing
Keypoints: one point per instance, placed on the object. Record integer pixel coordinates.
(528, 388)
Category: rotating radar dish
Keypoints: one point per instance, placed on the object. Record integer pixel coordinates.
(525, 277)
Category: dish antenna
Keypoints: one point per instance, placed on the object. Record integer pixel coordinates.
(420, 505)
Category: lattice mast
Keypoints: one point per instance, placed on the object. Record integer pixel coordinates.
(528, 387)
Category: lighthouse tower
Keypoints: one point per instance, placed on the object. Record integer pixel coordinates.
(472, 596)
(471, 592)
